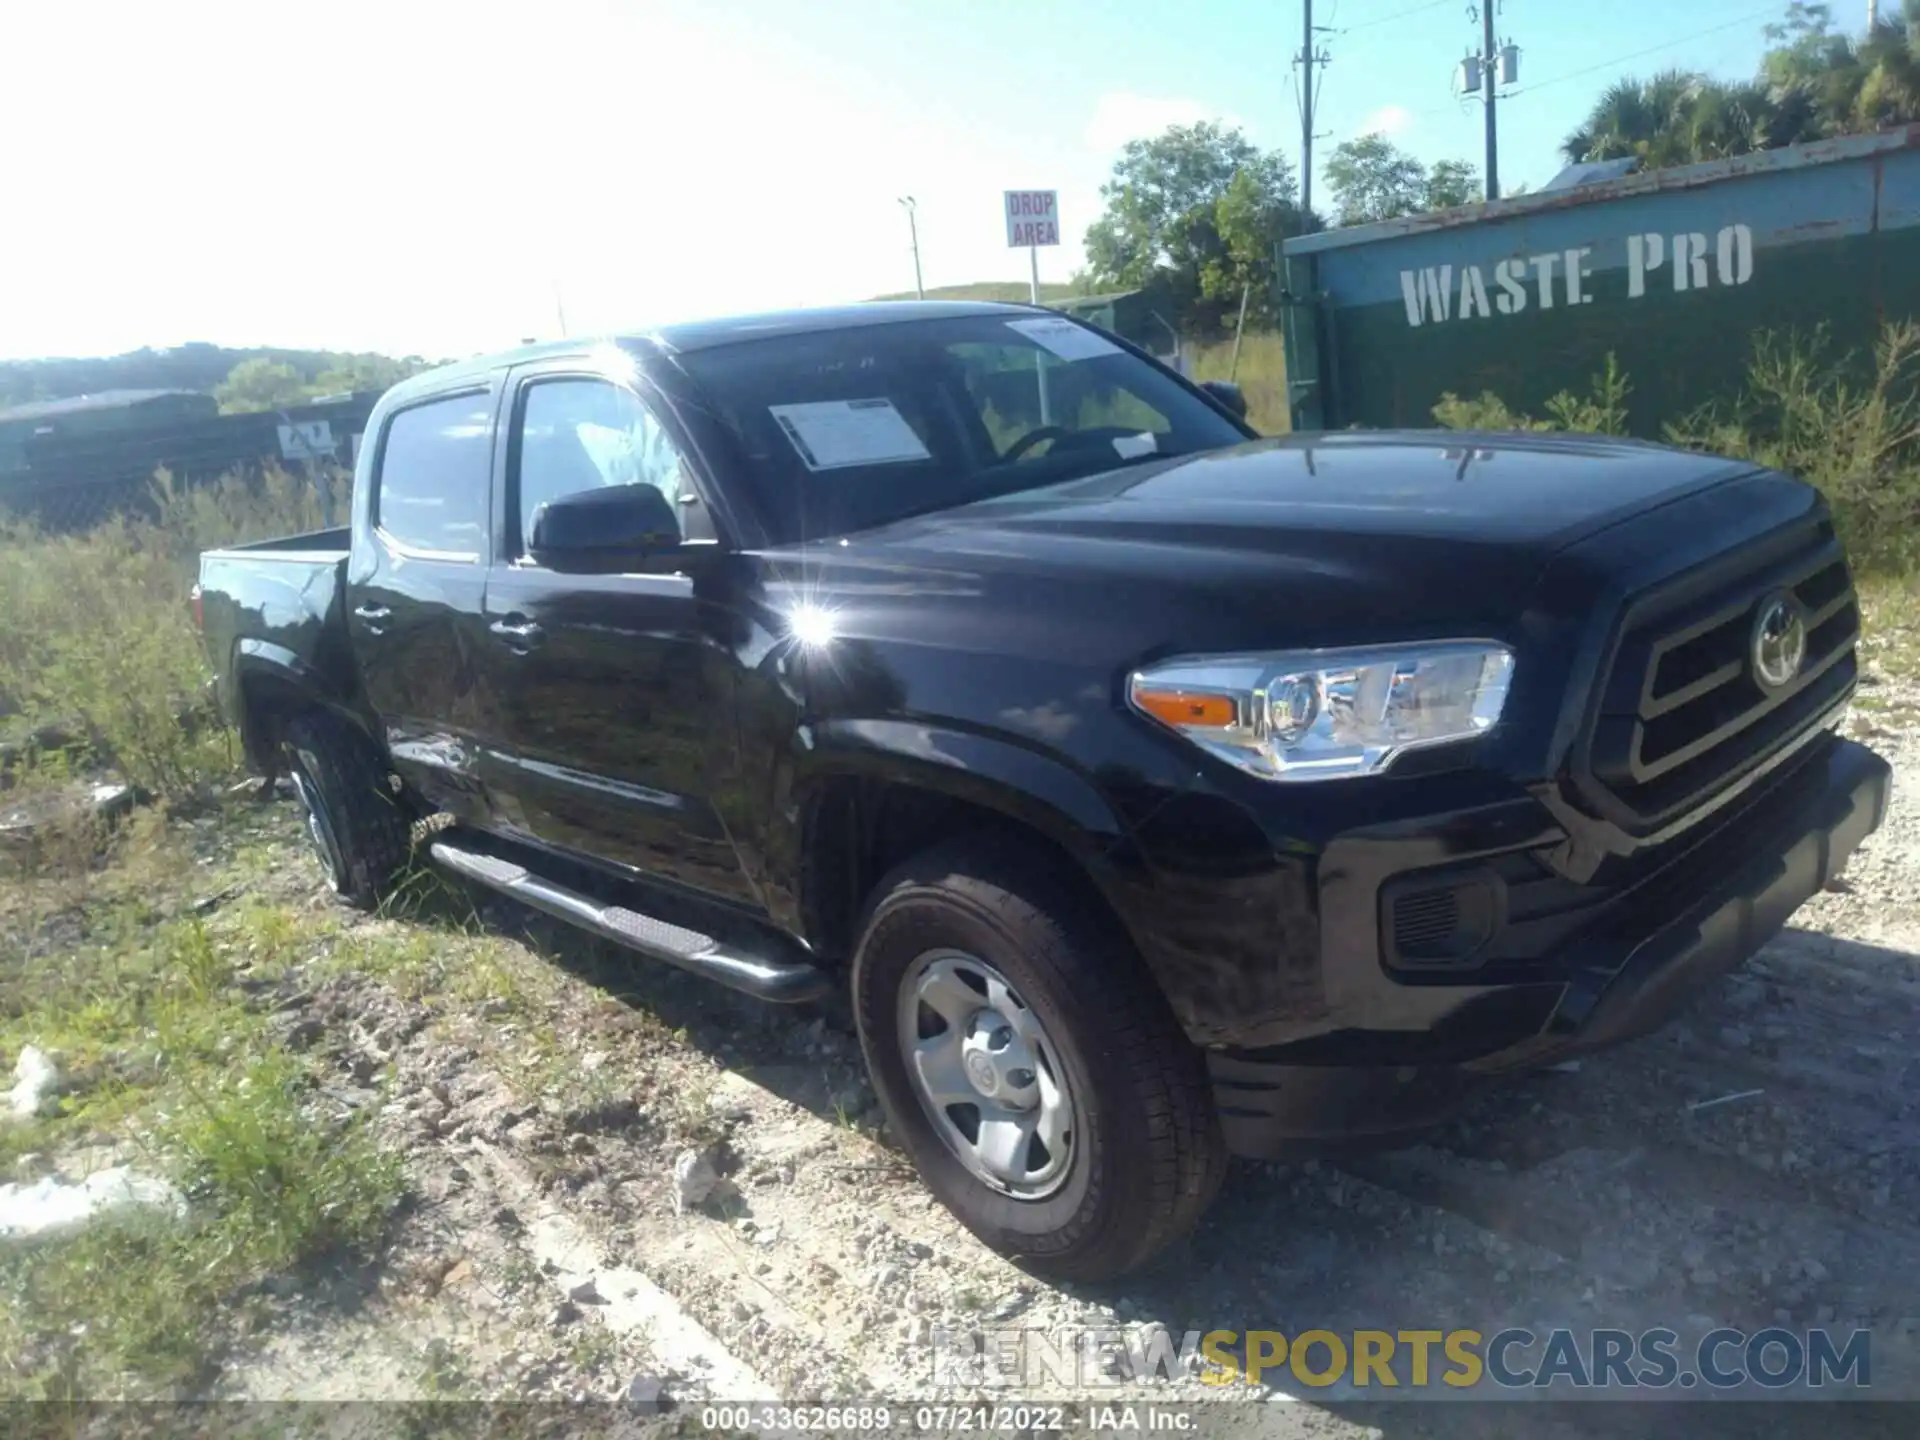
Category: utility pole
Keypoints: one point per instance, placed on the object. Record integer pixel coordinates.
(913, 233)
(1306, 111)
(1489, 59)
(1873, 13)
(1306, 60)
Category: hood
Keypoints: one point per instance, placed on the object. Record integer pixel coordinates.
(1332, 540)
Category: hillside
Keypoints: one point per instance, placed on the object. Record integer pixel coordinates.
(194, 366)
(989, 290)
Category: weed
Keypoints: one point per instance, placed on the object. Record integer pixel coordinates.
(1261, 376)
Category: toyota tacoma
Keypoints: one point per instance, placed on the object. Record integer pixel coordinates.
(1155, 792)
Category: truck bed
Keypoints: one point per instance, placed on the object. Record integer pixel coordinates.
(279, 601)
(313, 545)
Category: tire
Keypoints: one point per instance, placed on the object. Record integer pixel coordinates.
(357, 827)
(1144, 1155)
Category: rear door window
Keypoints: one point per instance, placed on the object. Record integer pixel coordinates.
(431, 494)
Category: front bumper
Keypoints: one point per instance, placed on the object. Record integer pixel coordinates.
(1627, 979)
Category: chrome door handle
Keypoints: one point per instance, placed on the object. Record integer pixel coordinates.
(519, 634)
(373, 612)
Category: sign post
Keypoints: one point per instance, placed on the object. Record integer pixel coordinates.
(1033, 220)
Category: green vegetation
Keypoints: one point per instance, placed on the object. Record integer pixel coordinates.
(1197, 211)
(205, 368)
(1001, 290)
(1261, 376)
(1801, 411)
(1815, 83)
(262, 384)
(1372, 179)
(100, 658)
(167, 1063)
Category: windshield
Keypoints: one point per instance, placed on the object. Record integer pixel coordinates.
(848, 429)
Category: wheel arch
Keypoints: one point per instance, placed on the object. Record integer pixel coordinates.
(880, 792)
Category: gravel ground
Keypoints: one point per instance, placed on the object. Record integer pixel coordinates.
(1753, 1164)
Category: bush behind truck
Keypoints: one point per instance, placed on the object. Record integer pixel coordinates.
(1157, 792)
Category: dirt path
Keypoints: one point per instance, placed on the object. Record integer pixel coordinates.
(1754, 1164)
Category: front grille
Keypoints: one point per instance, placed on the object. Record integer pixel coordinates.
(1682, 711)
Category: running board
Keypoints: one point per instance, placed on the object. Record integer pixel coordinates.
(784, 982)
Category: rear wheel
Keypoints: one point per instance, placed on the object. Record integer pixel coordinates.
(1029, 1066)
(355, 825)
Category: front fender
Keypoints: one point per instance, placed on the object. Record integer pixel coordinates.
(990, 771)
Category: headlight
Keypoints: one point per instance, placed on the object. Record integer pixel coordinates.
(1325, 714)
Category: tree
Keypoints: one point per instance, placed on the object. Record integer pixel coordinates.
(260, 384)
(1199, 208)
(1814, 82)
(1373, 179)
(1451, 183)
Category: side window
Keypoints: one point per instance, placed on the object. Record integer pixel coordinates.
(432, 490)
(577, 435)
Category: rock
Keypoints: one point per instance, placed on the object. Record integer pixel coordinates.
(918, 1330)
(563, 1315)
(1735, 1037)
(586, 1293)
(886, 1277)
(647, 1394)
(1813, 1269)
(36, 1079)
(741, 1310)
(694, 1179)
(920, 1250)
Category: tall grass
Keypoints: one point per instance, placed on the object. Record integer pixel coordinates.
(99, 656)
(1261, 376)
(1851, 430)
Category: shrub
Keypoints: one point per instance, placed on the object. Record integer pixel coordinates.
(100, 644)
(1801, 410)
(1807, 412)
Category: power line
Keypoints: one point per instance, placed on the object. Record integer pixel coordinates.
(1397, 15)
(1459, 101)
(1637, 54)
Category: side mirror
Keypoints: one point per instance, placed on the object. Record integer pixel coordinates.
(603, 531)
(1228, 394)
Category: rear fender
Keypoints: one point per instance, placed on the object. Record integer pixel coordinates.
(271, 680)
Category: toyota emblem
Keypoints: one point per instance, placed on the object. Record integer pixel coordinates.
(1779, 642)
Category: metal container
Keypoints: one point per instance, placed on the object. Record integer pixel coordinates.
(1673, 272)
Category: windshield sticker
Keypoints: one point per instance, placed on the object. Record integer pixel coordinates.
(835, 434)
(1060, 336)
(1131, 447)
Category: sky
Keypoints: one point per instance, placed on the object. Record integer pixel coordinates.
(419, 177)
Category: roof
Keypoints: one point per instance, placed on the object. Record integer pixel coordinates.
(1645, 182)
(695, 335)
(704, 334)
(74, 404)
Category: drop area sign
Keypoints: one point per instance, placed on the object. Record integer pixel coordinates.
(1033, 218)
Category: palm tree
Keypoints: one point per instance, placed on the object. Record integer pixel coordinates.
(1889, 62)
(1652, 120)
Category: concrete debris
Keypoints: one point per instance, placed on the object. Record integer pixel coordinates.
(694, 1179)
(36, 1080)
(52, 1206)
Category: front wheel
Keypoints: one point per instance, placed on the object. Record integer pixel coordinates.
(1029, 1066)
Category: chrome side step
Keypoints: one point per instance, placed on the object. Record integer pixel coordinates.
(784, 982)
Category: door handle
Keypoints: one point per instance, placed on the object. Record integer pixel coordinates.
(376, 617)
(519, 634)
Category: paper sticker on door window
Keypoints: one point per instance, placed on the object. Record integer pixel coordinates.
(1062, 337)
(835, 434)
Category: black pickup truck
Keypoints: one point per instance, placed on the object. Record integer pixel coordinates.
(1159, 792)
